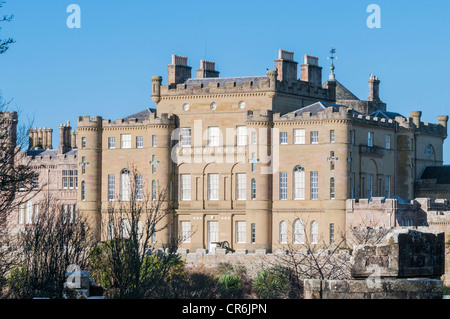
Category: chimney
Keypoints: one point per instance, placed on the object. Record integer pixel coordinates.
(178, 70)
(286, 66)
(311, 71)
(73, 139)
(374, 88)
(49, 133)
(64, 138)
(207, 70)
(416, 117)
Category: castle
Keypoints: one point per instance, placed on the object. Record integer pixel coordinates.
(258, 161)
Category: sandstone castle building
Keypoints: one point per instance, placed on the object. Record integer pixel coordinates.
(258, 161)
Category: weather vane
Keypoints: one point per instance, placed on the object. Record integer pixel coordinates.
(332, 57)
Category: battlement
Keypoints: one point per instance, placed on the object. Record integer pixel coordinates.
(87, 121)
(259, 116)
(8, 115)
(179, 60)
(152, 119)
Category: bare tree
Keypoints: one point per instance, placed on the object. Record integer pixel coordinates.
(45, 250)
(129, 256)
(5, 43)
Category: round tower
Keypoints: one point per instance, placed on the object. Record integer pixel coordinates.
(89, 172)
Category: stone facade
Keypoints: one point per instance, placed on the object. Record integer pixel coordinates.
(303, 153)
(406, 265)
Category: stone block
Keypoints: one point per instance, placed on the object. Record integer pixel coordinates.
(201, 251)
(261, 251)
(241, 251)
(221, 251)
(182, 251)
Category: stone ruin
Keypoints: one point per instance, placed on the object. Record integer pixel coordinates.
(408, 264)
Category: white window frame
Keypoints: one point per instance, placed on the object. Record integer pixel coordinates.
(298, 232)
(111, 142)
(332, 188)
(283, 138)
(213, 136)
(299, 183)
(332, 136)
(241, 135)
(185, 136)
(283, 185)
(253, 186)
(185, 231)
(241, 232)
(283, 232)
(139, 142)
(154, 140)
(241, 186)
(314, 183)
(213, 186)
(111, 187)
(125, 141)
(185, 186)
(125, 185)
(299, 136)
(314, 232)
(314, 137)
(139, 187)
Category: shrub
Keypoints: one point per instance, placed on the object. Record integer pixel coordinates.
(272, 283)
(230, 286)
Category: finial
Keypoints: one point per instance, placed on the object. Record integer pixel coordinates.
(332, 57)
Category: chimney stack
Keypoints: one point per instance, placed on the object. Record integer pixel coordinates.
(178, 70)
(416, 117)
(286, 66)
(64, 138)
(374, 88)
(207, 70)
(311, 71)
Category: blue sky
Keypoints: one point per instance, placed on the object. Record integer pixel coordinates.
(57, 74)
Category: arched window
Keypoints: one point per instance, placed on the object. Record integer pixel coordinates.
(110, 230)
(429, 150)
(314, 232)
(125, 228)
(253, 188)
(332, 188)
(299, 183)
(299, 232)
(283, 232)
(125, 185)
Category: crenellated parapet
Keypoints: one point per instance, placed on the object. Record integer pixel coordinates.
(152, 120)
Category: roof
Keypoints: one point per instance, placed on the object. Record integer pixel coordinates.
(385, 114)
(441, 173)
(50, 152)
(141, 115)
(319, 107)
(342, 93)
(222, 81)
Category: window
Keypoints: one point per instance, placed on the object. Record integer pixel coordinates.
(125, 141)
(111, 142)
(213, 136)
(185, 187)
(240, 232)
(83, 142)
(299, 136)
(387, 187)
(83, 190)
(253, 233)
(241, 132)
(185, 231)
(331, 136)
(139, 141)
(283, 232)
(70, 179)
(331, 234)
(352, 186)
(369, 185)
(111, 187)
(21, 213)
(314, 185)
(314, 137)
(241, 186)
(331, 159)
(370, 139)
(253, 188)
(254, 138)
(314, 232)
(428, 151)
(352, 137)
(153, 140)
(332, 189)
(110, 229)
(139, 187)
(299, 183)
(153, 190)
(64, 179)
(299, 232)
(185, 137)
(125, 185)
(388, 142)
(154, 162)
(283, 185)
(213, 186)
(28, 213)
(283, 138)
(125, 228)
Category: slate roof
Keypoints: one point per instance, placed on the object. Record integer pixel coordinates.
(50, 152)
(441, 173)
(385, 114)
(342, 93)
(222, 81)
(319, 107)
(141, 115)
